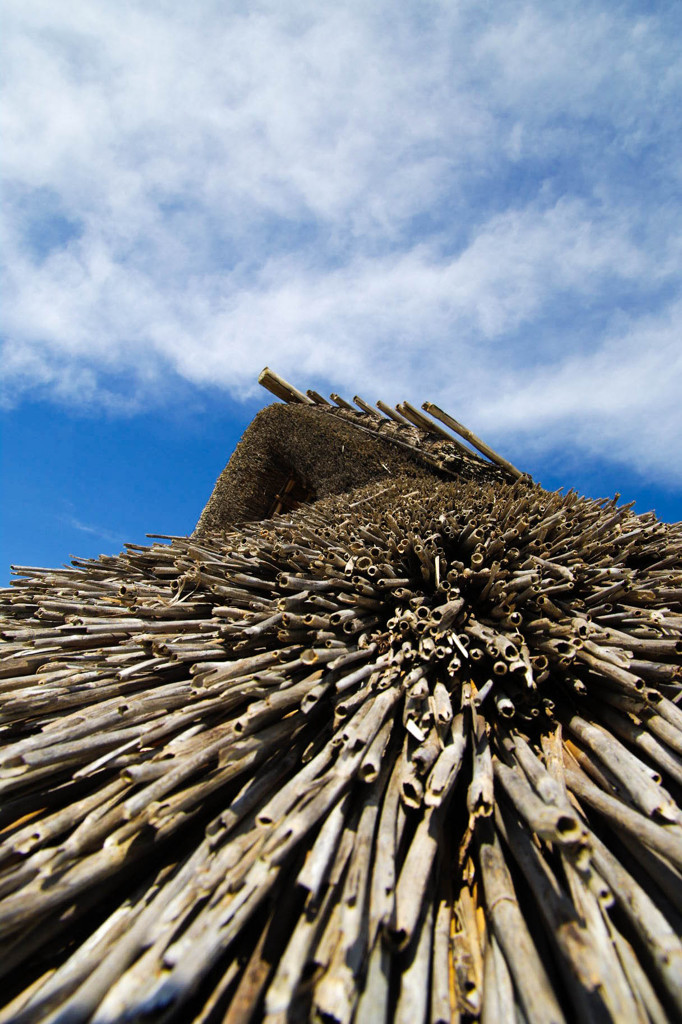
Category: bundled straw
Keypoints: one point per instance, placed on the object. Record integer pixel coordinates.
(414, 755)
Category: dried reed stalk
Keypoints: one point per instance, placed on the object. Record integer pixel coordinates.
(416, 755)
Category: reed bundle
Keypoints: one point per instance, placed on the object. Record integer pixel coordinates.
(414, 755)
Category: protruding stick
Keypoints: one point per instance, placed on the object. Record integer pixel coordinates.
(341, 402)
(281, 388)
(421, 421)
(386, 409)
(366, 407)
(317, 398)
(534, 988)
(481, 446)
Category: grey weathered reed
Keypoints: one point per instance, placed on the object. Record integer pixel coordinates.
(409, 752)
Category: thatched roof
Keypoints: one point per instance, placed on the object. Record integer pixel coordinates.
(329, 450)
(412, 752)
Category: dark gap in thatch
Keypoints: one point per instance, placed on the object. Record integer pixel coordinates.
(289, 494)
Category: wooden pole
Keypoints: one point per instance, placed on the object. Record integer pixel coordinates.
(386, 409)
(471, 438)
(422, 421)
(281, 388)
(317, 398)
(341, 402)
(366, 407)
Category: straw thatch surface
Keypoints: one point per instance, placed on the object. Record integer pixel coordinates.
(331, 451)
(409, 754)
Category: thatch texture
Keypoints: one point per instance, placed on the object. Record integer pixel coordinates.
(331, 450)
(412, 753)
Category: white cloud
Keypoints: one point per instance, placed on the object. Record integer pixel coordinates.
(94, 531)
(410, 200)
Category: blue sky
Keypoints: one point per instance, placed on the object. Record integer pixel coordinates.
(473, 203)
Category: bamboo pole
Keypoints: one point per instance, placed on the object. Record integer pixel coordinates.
(317, 398)
(366, 407)
(341, 402)
(392, 414)
(421, 421)
(281, 388)
(476, 442)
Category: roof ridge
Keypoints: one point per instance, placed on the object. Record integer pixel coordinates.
(403, 416)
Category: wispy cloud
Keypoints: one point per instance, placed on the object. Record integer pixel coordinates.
(407, 199)
(109, 536)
